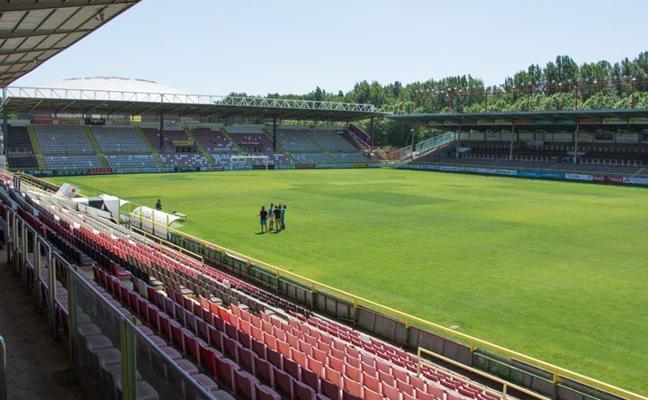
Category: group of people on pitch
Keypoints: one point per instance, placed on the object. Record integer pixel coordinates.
(275, 217)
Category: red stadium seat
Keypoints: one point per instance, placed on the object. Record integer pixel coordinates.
(390, 392)
(352, 387)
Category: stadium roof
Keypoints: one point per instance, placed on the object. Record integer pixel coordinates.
(22, 100)
(33, 31)
(594, 117)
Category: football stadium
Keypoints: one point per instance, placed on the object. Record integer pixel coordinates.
(471, 243)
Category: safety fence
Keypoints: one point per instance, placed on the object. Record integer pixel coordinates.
(410, 332)
(423, 355)
(109, 352)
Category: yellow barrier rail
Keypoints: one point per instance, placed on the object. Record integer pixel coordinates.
(505, 384)
(39, 183)
(558, 373)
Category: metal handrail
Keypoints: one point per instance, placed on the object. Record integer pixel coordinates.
(137, 332)
(505, 384)
(3, 369)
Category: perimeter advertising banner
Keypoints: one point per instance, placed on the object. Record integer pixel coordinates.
(635, 181)
(579, 177)
(529, 174)
(608, 179)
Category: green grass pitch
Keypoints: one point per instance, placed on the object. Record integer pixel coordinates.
(556, 270)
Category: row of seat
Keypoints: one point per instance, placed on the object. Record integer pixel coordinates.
(17, 140)
(131, 160)
(119, 140)
(16, 161)
(213, 141)
(59, 139)
(72, 162)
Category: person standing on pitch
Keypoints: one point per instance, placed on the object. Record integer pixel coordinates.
(158, 205)
(263, 215)
(271, 217)
(283, 217)
(277, 215)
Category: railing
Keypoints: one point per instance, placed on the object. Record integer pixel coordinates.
(155, 368)
(189, 99)
(360, 135)
(3, 369)
(434, 142)
(505, 384)
(424, 146)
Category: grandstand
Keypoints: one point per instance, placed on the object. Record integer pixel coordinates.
(79, 148)
(42, 142)
(592, 145)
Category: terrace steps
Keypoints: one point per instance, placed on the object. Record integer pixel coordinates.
(279, 146)
(200, 147)
(322, 149)
(95, 146)
(36, 147)
(151, 149)
(224, 132)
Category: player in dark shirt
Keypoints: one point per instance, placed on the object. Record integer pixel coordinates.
(277, 217)
(263, 215)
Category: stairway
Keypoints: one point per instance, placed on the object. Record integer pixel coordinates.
(280, 148)
(427, 147)
(236, 146)
(152, 150)
(360, 138)
(95, 146)
(38, 154)
(200, 147)
(308, 135)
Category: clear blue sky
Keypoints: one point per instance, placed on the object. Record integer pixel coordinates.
(291, 46)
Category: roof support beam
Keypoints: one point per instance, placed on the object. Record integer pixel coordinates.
(49, 4)
(33, 50)
(25, 35)
(65, 106)
(31, 110)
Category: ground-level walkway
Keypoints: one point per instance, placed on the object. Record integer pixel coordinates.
(37, 365)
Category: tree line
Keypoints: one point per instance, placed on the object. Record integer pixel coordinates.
(562, 84)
